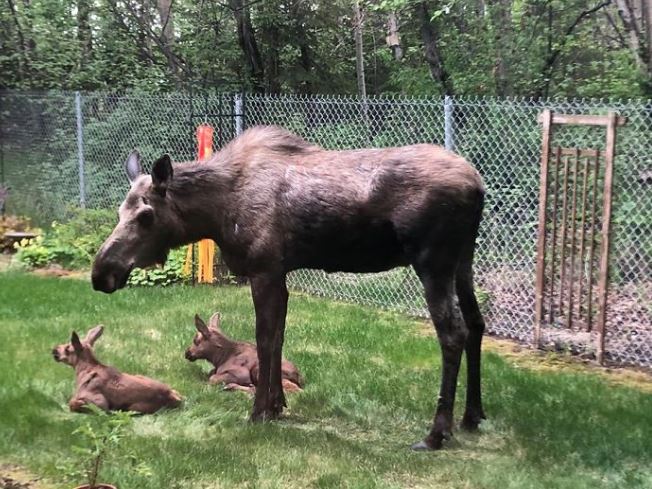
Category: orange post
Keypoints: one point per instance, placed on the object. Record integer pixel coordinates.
(206, 247)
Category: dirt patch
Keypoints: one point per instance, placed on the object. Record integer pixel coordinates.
(55, 270)
(509, 313)
(15, 477)
(5, 261)
(548, 361)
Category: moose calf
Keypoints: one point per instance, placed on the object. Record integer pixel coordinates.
(106, 386)
(235, 362)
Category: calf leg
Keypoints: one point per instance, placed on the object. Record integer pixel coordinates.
(270, 298)
(473, 413)
(79, 402)
(451, 331)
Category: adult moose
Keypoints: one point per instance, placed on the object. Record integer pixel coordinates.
(275, 203)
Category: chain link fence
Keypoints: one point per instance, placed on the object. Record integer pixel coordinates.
(48, 137)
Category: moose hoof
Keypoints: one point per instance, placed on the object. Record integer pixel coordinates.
(471, 421)
(426, 446)
(262, 416)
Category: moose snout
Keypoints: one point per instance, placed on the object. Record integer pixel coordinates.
(190, 355)
(103, 282)
(55, 354)
(109, 276)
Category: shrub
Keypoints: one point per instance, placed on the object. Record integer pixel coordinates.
(171, 273)
(72, 244)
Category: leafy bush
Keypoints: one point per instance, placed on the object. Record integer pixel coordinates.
(72, 244)
(169, 274)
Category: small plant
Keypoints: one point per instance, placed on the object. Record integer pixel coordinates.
(100, 436)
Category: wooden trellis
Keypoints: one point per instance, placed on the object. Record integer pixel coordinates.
(572, 271)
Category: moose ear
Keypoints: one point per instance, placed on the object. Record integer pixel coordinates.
(201, 326)
(94, 334)
(76, 343)
(215, 321)
(133, 166)
(162, 174)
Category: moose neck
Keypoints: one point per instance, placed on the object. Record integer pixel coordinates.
(87, 363)
(225, 351)
(198, 192)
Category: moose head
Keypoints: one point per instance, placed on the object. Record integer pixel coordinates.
(148, 225)
(78, 350)
(209, 339)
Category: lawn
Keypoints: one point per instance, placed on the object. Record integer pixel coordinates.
(371, 386)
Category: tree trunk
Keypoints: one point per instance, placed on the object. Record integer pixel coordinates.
(633, 32)
(393, 38)
(270, 35)
(647, 19)
(430, 38)
(167, 34)
(84, 33)
(502, 24)
(167, 21)
(359, 54)
(248, 44)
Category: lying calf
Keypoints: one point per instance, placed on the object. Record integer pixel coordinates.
(235, 362)
(107, 387)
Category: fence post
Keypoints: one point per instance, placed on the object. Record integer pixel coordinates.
(80, 149)
(449, 128)
(238, 112)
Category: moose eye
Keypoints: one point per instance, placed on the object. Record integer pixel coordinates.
(146, 217)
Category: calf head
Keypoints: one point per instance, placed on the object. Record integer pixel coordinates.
(208, 340)
(78, 350)
(146, 229)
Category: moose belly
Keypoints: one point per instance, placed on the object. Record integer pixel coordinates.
(346, 247)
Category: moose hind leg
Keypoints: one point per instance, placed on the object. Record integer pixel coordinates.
(473, 413)
(452, 333)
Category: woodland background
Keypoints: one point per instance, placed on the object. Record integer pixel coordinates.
(529, 48)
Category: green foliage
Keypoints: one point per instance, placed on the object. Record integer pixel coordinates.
(72, 244)
(171, 273)
(501, 48)
(98, 438)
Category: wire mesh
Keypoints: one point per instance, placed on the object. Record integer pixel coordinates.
(501, 137)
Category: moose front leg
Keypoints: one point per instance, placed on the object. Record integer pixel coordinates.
(270, 298)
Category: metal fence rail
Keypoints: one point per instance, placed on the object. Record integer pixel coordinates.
(47, 138)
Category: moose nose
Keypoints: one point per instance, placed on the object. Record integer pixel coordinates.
(104, 282)
(55, 354)
(190, 356)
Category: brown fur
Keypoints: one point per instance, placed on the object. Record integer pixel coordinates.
(235, 362)
(107, 387)
(276, 203)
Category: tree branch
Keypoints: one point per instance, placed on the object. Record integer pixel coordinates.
(552, 57)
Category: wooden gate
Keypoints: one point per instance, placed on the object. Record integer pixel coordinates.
(572, 270)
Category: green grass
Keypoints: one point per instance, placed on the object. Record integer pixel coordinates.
(371, 386)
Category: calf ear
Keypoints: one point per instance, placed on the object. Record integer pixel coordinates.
(215, 321)
(162, 174)
(94, 334)
(133, 166)
(201, 326)
(76, 343)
